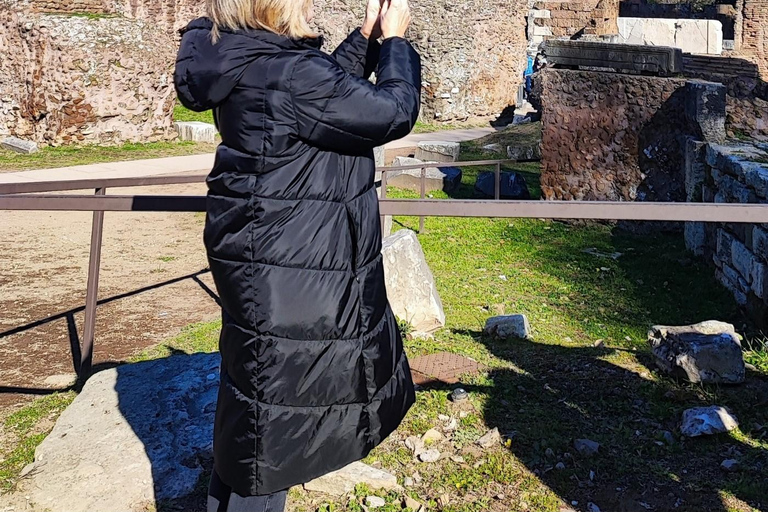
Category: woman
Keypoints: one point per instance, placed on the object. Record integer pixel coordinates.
(313, 372)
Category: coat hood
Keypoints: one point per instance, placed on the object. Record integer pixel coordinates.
(207, 72)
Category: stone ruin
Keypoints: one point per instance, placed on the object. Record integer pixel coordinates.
(99, 71)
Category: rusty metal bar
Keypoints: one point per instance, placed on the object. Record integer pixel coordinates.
(423, 195)
(92, 293)
(596, 210)
(497, 186)
(35, 187)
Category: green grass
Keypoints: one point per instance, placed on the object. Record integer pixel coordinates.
(544, 393)
(26, 428)
(430, 127)
(183, 114)
(66, 156)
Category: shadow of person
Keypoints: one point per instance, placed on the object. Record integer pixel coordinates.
(551, 395)
(169, 404)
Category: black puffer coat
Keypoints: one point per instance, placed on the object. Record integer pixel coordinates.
(313, 370)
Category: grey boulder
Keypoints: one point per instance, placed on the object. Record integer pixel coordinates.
(446, 179)
(708, 352)
(439, 151)
(508, 327)
(701, 421)
(17, 145)
(137, 434)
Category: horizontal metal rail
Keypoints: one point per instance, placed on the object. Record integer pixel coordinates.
(596, 210)
(30, 196)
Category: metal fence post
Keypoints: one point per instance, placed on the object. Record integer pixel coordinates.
(383, 218)
(423, 195)
(92, 293)
(497, 188)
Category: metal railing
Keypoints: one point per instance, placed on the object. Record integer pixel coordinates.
(36, 196)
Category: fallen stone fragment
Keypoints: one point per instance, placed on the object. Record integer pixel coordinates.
(586, 447)
(344, 481)
(511, 186)
(730, 465)
(591, 507)
(24, 147)
(560, 466)
(439, 151)
(411, 287)
(432, 436)
(429, 456)
(446, 179)
(709, 352)
(375, 502)
(508, 327)
(415, 445)
(196, 131)
(412, 504)
(707, 421)
(490, 439)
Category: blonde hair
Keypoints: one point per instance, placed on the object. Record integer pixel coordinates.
(284, 17)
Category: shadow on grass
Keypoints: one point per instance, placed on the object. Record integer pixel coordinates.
(558, 394)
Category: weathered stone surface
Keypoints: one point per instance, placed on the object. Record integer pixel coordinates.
(135, 435)
(511, 186)
(490, 439)
(431, 455)
(379, 156)
(438, 151)
(660, 60)
(77, 79)
(705, 107)
(696, 237)
(446, 179)
(196, 131)
(343, 481)
(410, 284)
(709, 352)
(707, 421)
(586, 447)
(25, 147)
(508, 327)
(691, 36)
(525, 152)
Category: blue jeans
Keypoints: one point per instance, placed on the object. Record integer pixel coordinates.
(221, 498)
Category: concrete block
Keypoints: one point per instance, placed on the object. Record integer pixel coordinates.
(24, 147)
(196, 131)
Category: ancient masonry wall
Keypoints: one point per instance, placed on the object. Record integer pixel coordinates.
(63, 70)
(566, 18)
(72, 79)
(739, 252)
(608, 136)
(753, 29)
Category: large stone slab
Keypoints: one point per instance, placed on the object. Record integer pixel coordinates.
(17, 145)
(343, 481)
(410, 284)
(438, 151)
(136, 434)
(660, 60)
(708, 352)
(703, 37)
(446, 179)
(196, 131)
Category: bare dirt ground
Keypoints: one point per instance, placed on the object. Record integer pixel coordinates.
(153, 283)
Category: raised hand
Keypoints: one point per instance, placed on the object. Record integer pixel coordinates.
(395, 18)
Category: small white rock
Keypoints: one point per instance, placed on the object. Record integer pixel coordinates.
(491, 438)
(429, 456)
(375, 502)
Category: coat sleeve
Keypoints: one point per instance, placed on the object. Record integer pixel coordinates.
(358, 55)
(341, 112)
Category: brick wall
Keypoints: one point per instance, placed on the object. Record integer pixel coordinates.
(608, 136)
(565, 18)
(739, 252)
(754, 33)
